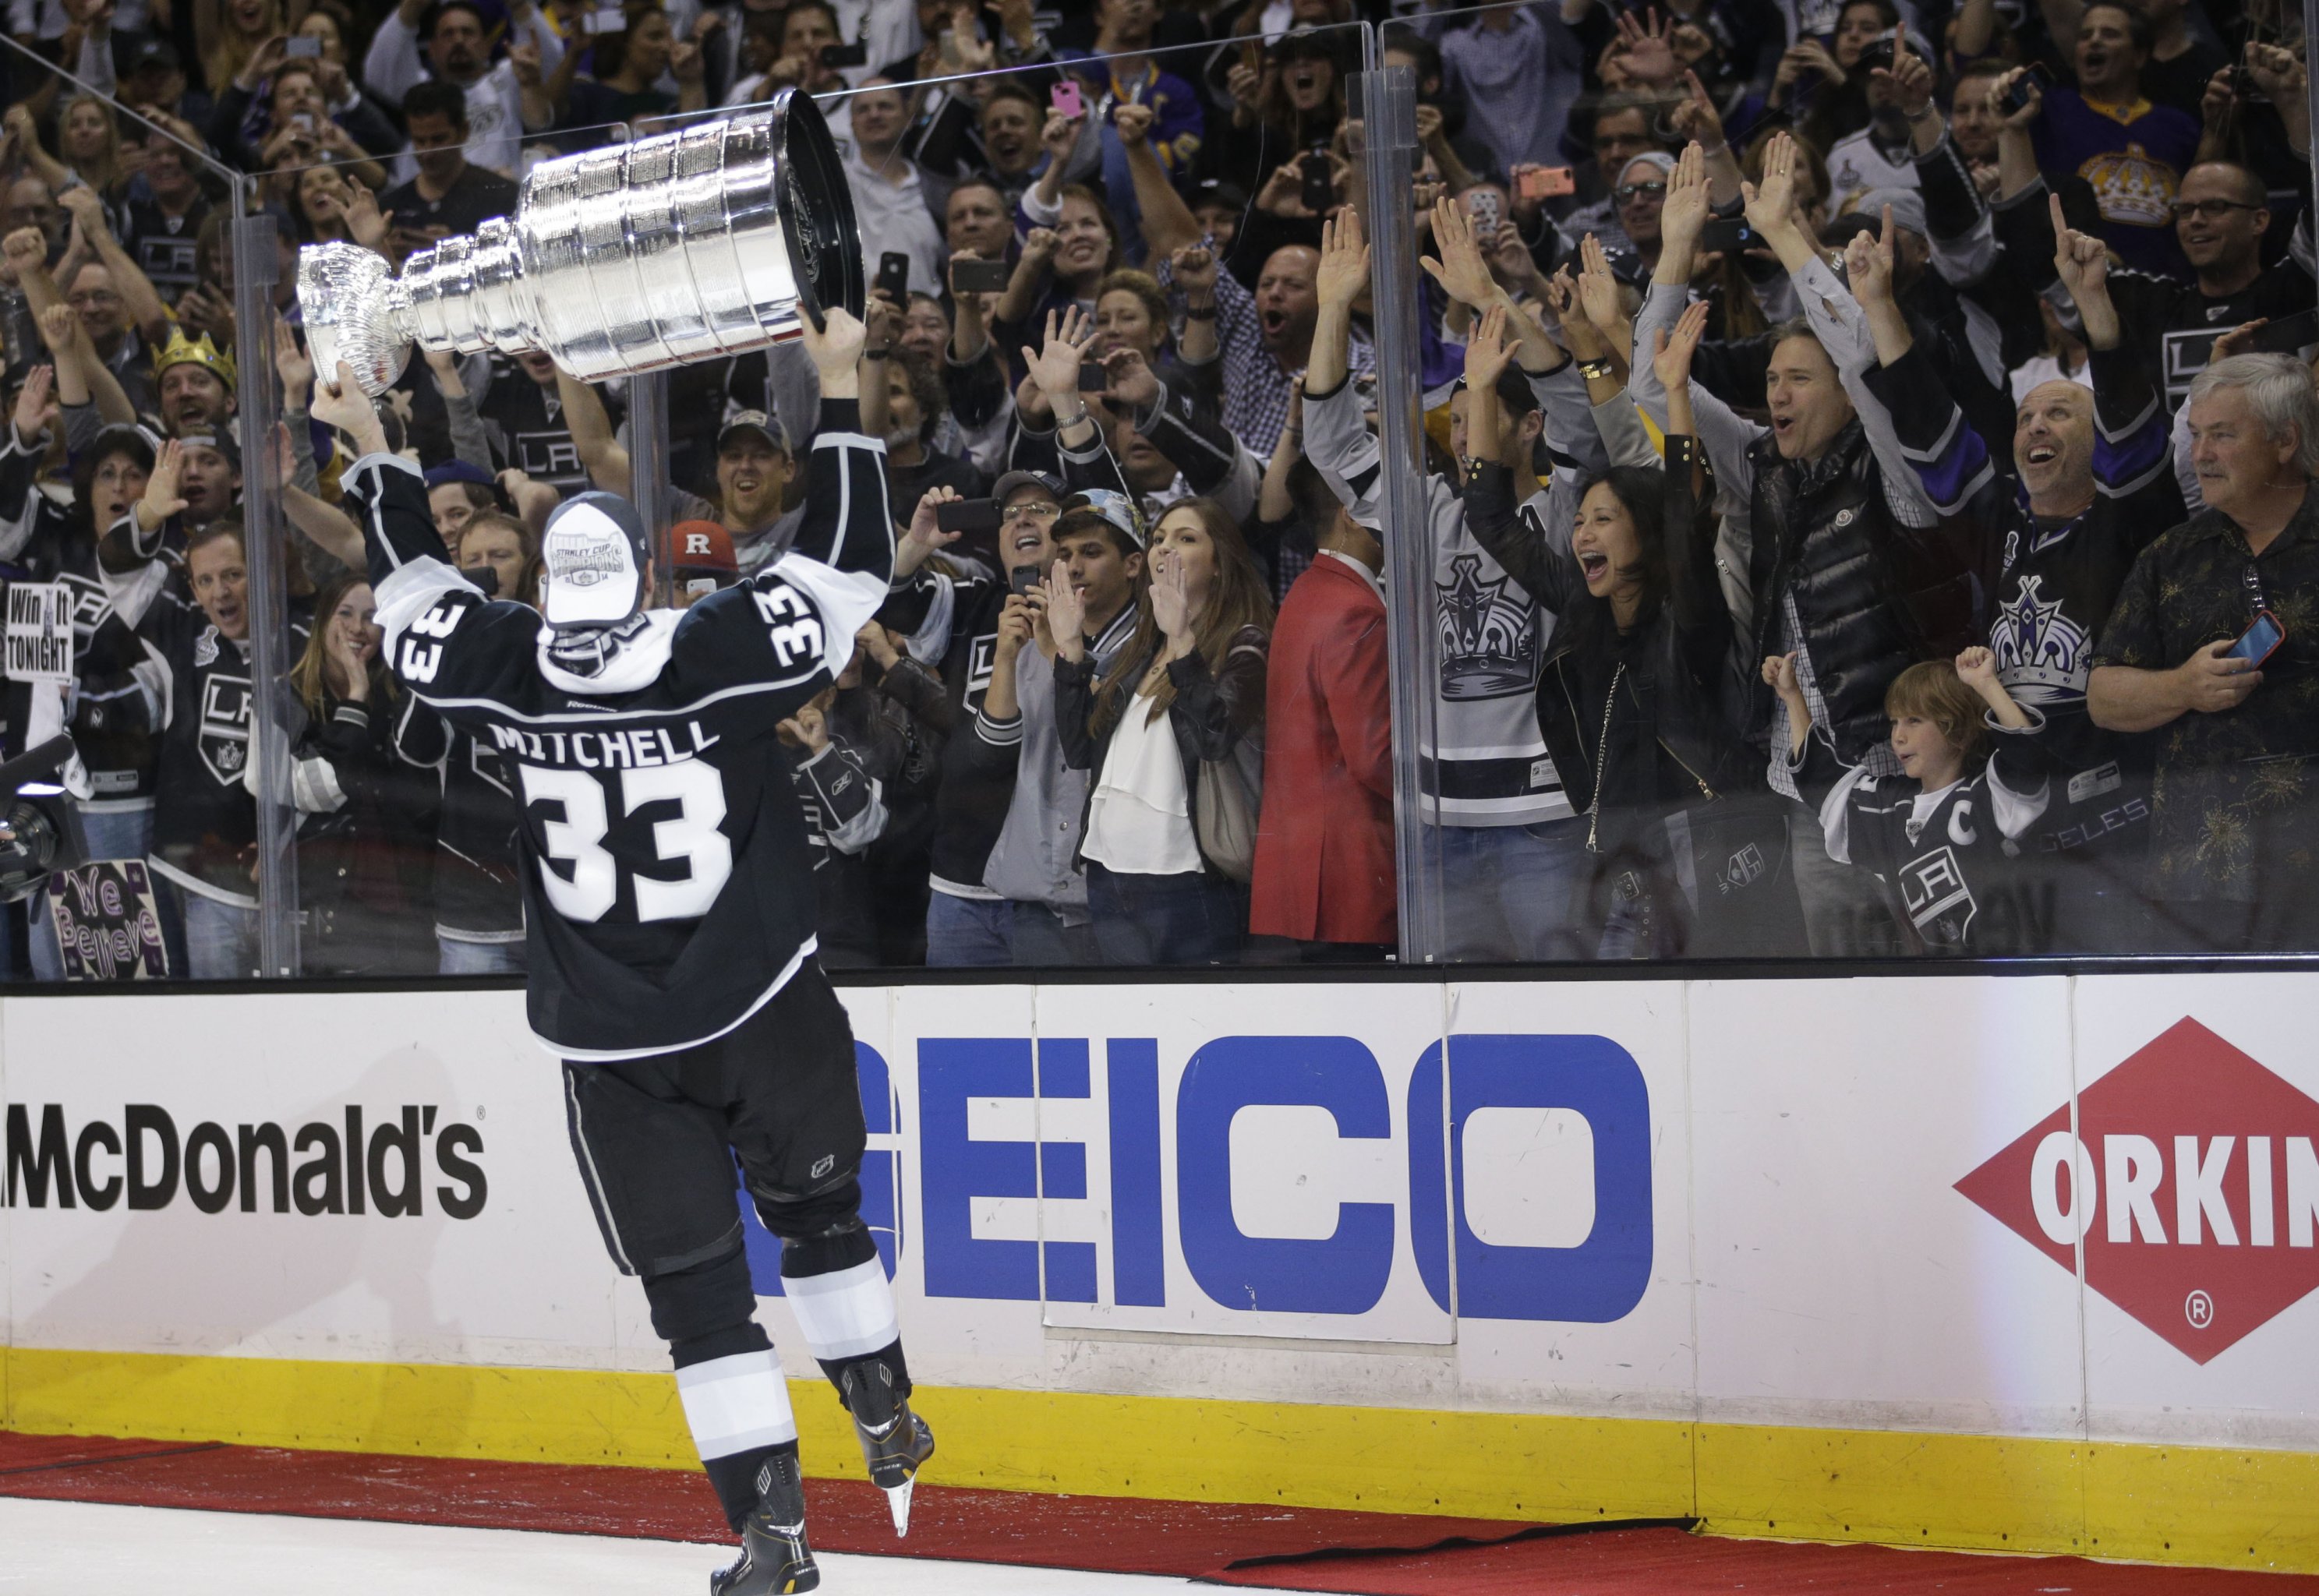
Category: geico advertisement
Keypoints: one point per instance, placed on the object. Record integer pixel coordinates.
(1260, 1160)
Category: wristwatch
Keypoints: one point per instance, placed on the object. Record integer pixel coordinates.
(1592, 369)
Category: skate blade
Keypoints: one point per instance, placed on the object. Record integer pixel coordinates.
(898, 1503)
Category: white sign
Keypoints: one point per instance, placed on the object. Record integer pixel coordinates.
(40, 632)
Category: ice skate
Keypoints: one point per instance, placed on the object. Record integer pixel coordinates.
(774, 1557)
(894, 1441)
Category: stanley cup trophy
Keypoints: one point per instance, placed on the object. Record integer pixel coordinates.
(666, 250)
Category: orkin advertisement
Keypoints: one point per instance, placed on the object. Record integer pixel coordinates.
(2030, 1206)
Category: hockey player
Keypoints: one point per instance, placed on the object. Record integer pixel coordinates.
(1947, 848)
(670, 904)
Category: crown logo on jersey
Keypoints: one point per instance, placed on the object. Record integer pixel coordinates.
(2131, 187)
(2041, 652)
(1489, 644)
(181, 350)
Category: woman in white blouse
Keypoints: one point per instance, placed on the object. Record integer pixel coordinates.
(1173, 733)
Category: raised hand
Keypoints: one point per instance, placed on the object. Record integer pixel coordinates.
(365, 221)
(2275, 72)
(1344, 269)
(2029, 111)
(281, 456)
(344, 406)
(1909, 77)
(81, 204)
(1695, 119)
(1597, 290)
(1461, 271)
(161, 500)
(523, 56)
(1135, 384)
(1192, 268)
(293, 364)
(924, 534)
(1771, 204)
(1039, 245)
(1671, 353)
(36, 405)
(1058, 135)
(1976, 667)
(25, 250)
(1868, 263)
(836, 348)
(1171, 605)
(1645, 51)
(1488, 352)
(1055, 367)
(1684, 216)
(1133, 122)
(1066, 613)
(61, 331)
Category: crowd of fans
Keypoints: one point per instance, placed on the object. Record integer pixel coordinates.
(1867, 481)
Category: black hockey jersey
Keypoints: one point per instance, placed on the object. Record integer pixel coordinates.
(1948, 856)
(668, 884)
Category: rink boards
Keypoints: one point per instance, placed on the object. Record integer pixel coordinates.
(2018, 1263)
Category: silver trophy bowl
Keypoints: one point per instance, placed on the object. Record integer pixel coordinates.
(722, 236)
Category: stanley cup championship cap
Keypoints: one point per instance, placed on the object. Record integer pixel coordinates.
(595, 554)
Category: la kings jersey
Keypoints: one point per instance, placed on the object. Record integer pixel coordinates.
(668, 885)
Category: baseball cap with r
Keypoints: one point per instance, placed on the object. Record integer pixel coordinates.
(595, 555)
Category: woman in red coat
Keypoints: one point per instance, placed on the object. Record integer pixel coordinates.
(1324, 863)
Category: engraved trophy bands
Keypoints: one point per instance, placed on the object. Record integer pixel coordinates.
(679, 247)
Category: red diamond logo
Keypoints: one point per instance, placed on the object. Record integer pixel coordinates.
(2192, 1181)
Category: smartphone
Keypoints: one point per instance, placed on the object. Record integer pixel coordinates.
(1025, 579)
(1065, 97)
(1483, 209)
(980, 276)
(968, 515)
(2017, 96)
(1727, 234)
(302, 44)
(2260, 641)
(303, 121)
(1095, 377)
(1320, 191)
(1546, 183)
(2288, 334)
(835, 57)
(894, 276)
(1875, 54)
(607, 18)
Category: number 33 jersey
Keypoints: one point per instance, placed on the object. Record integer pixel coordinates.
(667, 880)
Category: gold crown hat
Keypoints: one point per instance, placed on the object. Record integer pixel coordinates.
(181, 350)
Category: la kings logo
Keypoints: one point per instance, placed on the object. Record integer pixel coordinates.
(1489, 643)
(224, 734)
(2041, 655)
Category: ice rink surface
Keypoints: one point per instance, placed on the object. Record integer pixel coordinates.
(70, 1548)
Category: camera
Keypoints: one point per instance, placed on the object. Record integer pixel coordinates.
(40, 830)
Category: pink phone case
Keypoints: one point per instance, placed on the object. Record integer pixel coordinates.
(1065, 97)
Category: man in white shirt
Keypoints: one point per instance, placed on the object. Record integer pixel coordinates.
(889, 193)
(500, 110)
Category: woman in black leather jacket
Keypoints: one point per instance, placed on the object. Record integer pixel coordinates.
(1691, 856)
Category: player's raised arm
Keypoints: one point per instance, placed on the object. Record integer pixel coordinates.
(848, 525)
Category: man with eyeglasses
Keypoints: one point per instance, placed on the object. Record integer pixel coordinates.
(951, 618)
(2221, 214)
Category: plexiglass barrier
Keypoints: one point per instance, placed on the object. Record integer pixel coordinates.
(1288, 572)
